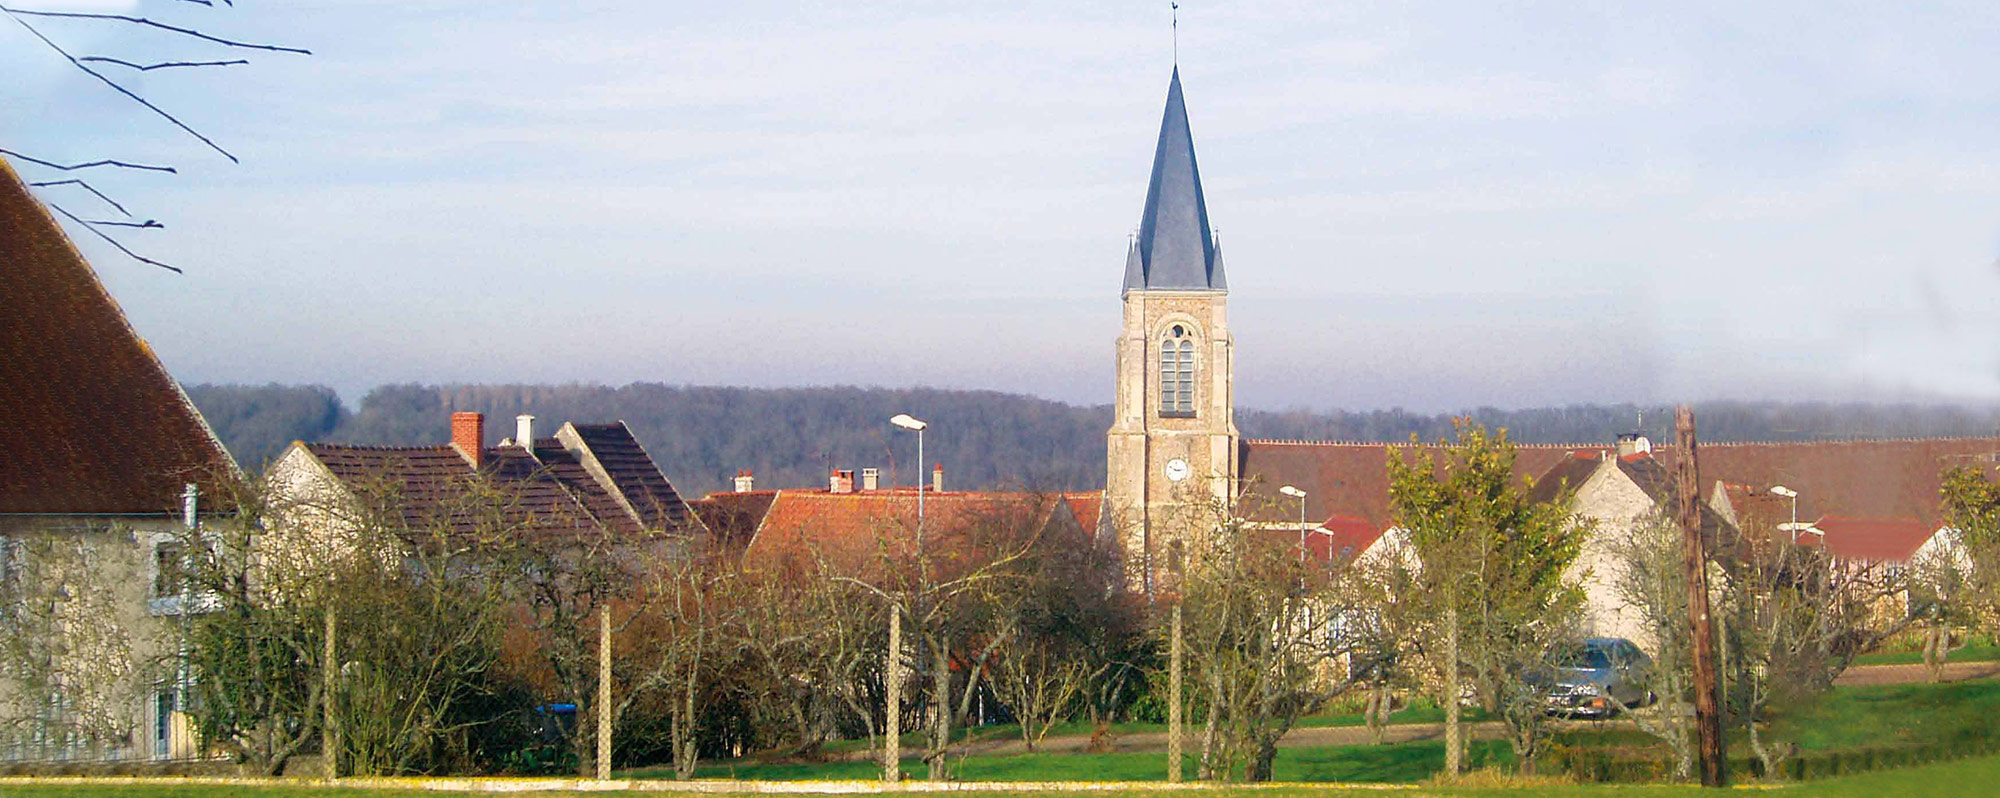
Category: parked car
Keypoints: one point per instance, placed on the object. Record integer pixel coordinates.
(1597, 678)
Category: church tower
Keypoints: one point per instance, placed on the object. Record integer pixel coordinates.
(1173, 438)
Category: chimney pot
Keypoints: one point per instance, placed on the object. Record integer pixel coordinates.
(871, 479)
(524, 431)
(468, 435)
(937, 478)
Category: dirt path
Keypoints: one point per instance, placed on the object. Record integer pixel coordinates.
(1905, 674)
(1406, 732)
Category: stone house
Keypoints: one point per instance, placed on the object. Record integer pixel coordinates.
(107, 463)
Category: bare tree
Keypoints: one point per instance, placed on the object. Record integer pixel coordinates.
(1651, 579)
(1794, 618)
(1263, 622)
(40, 25)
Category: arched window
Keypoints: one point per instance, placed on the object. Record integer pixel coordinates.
(1177, 373)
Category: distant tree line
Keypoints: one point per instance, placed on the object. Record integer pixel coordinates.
(791, 437)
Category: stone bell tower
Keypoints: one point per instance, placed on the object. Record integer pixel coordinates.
(1172, 441)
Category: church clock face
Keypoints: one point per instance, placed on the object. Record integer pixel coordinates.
(1177, 470)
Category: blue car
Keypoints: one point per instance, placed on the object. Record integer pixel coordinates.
(1597, 678)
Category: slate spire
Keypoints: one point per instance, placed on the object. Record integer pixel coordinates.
(1175, 250)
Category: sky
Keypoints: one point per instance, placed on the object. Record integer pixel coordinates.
(1431, 206)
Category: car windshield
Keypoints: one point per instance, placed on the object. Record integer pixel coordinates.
(1586, 657)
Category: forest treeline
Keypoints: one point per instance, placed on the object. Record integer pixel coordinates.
(790, 437)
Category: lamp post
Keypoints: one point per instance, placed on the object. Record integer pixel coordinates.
(1780, 490)
(1301, 496)
(892, 770)
(909, 422)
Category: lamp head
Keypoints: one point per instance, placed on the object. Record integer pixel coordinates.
(1781, 490)
(1292, 492)
(906, 421)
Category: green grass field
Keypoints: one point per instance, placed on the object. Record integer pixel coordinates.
(1973, 778)
(1982, 651)
(1847, 722)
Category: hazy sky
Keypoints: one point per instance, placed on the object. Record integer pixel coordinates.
(1427, 205)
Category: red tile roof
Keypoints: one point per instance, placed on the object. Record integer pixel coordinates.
(1882, 479)
(94, 424)
(851, 530)
(1349, 479)
(1873, 539)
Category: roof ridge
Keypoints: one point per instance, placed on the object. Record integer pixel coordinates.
(1879, 439)
(1349, 442)
(369, 447)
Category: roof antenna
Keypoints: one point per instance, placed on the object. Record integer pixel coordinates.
(1177, 34)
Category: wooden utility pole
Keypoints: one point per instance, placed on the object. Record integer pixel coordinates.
(329, 735)
(604, 691)
(1175, 667)
(1687, 510)
(892, 720)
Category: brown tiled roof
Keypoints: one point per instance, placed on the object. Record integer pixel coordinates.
(1350, 479)
(1861, 479)
(1568, 474)
(634, 473)
(1880, 479)
(560, 465)
(431, 485)
(733, 518)
(94, 424)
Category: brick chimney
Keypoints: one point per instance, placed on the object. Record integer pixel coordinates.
(840, 482)
(745, 482)
(871, 479)
(468, 436)
(937, 478)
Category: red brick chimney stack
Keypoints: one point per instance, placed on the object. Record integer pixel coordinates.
(468, 436)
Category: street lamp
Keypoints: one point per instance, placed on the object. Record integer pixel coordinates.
(1780, 490)
(1301, 496)
(909, 422)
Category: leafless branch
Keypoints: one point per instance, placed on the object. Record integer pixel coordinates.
(149, 223)
(16, 16)
(160, 25)
(114, 242)
(87, 165)
(87, 187)
(162, 64)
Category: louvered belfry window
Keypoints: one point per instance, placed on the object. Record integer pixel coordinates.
(1177, 373)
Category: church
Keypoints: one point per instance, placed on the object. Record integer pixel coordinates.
(1173, 440)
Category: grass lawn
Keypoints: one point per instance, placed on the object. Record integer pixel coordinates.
(1957, 716)
(1422, 711)
(1897, 714)
(1408, 762)
(1981, 651)
(1974, 778)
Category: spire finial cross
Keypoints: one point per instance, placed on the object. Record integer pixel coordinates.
(1177, 32)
